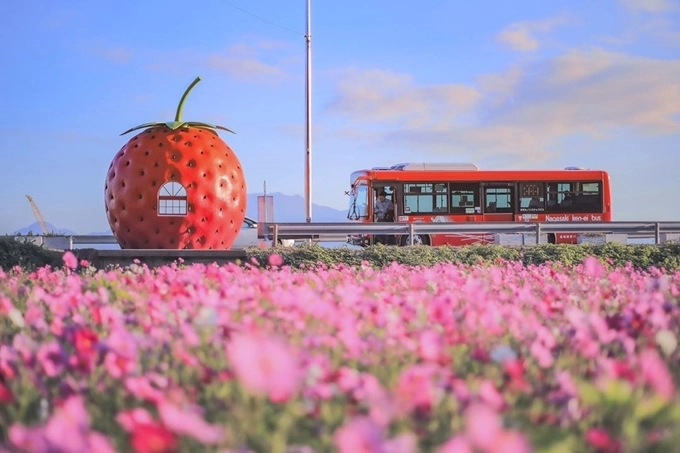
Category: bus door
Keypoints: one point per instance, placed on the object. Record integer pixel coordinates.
(498, 201)
(388, 191)
(390, 194)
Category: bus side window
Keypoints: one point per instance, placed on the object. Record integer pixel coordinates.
(568, 201)
(464, 198)
(499, 199)
(558, 193)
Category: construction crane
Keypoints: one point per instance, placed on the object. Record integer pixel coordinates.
(38, 215)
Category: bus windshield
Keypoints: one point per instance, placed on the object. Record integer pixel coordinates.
(358, 202)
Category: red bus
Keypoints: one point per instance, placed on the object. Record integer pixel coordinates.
(454, 192)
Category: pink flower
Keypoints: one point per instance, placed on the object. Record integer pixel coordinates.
(402, 443)
(28, 439)
(189, 423)
(68, 427)
(25, 346)
(129, 419)
(491, 396)
(601, 440)
(542, 354)
(141, 388)
(656, 374)
(99, 443)
(592, 267)
(482, 425)
(67, 431)
(8, 361)
(70, 260)
(566, 383)
(415, 388)
(382, 408)
(85, 340)
(275, 260)
(6, 395)
(265, 365)
(146, 434)
(457, 444)
(359, 435)
(347, 379)
(153, 438)
(511, 442)
(430, 345)
(461, 390)
(121, 359)
(515, 371)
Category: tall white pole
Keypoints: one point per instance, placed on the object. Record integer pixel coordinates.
(308, 153)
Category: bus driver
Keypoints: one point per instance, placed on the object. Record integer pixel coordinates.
(384, 208)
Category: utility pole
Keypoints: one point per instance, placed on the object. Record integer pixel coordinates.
(308, 137)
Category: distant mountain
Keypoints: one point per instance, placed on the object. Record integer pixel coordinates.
(35, 230)
(291, 208)
(101, 233)
(287, 208)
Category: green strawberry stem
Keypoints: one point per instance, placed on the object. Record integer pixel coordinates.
(180, 107)
(174, 125)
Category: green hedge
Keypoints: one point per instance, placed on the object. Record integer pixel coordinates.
(26, 254)
(666, 255)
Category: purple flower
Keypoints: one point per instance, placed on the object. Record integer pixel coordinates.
(52, 358)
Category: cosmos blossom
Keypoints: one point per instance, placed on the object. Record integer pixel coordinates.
(265, 365)
(448, 358)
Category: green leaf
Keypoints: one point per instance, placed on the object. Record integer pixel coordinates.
(649, 407)
(589, 394)
(617, 391)
(568, 444)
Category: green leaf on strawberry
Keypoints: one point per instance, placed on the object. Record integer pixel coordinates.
(178, 123)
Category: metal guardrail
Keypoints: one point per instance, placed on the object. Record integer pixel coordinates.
(316, 230)
(341, 231)
(92, 239)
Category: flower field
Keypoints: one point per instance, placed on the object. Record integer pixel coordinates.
(446, 358)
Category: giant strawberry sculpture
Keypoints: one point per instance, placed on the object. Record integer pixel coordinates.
(176, 185)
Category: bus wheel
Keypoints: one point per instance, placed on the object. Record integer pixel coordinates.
(417, 240)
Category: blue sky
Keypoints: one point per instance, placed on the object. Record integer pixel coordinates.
(522, 84)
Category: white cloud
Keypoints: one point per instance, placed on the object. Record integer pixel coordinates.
(520, 36)
(113, 54)
(243, 68)
(577, 65)
(259, 61)
(662, 30)
(254, 60)
(650, 6)
(382, 96)
(524, 113)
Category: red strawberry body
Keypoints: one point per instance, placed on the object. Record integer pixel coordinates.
(176, 186)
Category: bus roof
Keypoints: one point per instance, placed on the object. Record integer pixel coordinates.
(423, 171)
(430, 166)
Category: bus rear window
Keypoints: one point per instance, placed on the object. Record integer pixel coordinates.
(574, 196)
